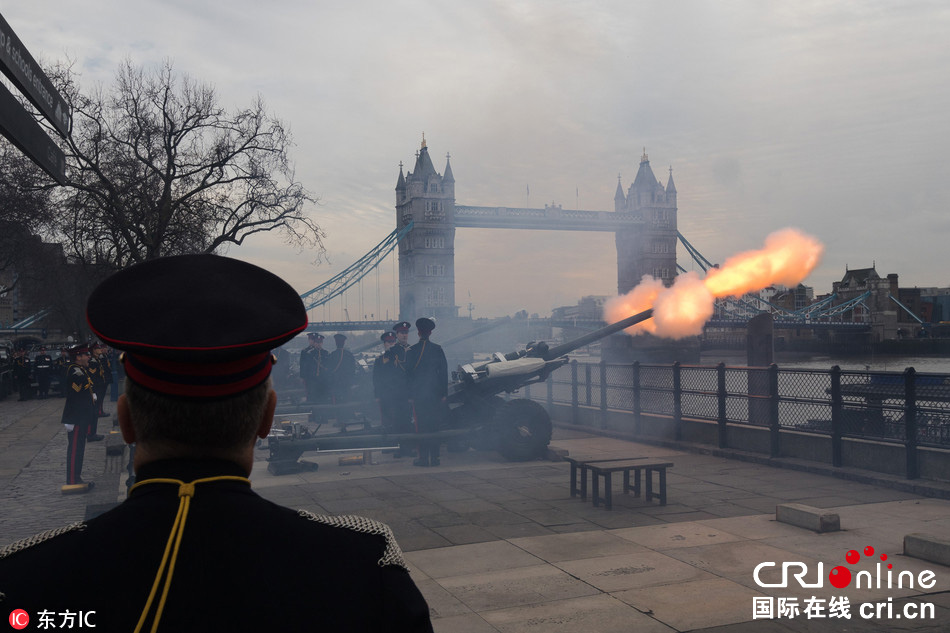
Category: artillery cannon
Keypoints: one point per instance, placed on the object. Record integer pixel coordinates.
(519, 429)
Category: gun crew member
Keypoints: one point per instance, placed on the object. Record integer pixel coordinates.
(427, 376)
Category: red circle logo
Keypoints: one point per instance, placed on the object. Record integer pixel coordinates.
(840, 577)
(19, 619)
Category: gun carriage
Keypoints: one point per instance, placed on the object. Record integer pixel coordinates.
(519, 429)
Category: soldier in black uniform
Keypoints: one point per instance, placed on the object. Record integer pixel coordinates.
(105, 376)
(400, 349)
(98, 387)
(313, 370)
(402, 334)
(60, 365)
(384, 381)
(428, 377)
(43, 367)
(391, 389)
(193, 547)
(342, 368)
(22, 368)
(79, 413)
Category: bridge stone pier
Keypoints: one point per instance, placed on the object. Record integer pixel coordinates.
(643, 220)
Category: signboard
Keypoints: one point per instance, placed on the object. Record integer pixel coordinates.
(18, 126)
(17, 64)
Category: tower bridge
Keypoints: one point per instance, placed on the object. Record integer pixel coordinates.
(643, 221)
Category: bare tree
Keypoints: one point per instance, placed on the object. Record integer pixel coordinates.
(25, 210)
(156, 167)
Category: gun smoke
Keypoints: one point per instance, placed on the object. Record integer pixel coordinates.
(682, 309)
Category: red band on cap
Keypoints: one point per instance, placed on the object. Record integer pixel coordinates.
(198, 380)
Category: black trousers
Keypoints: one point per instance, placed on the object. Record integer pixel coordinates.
(429, 417)
(44, 380)
(75, 451)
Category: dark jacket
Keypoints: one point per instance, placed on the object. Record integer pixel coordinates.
(389, 375)
(427, 371)
(80, 408)
(244, 564)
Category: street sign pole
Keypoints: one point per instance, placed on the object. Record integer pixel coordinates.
(16, 123)
(29, 137)
(17, 64)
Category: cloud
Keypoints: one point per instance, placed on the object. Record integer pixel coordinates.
(831, 116)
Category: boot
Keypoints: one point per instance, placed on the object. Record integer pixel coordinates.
(423, 459)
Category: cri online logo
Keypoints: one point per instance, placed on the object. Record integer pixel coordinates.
(840, 576)
(19, 619)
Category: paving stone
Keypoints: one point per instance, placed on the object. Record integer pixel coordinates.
(590, 614)
(517, 530)
(577, 545)
(463, 534)
(489, 582)
(515, 586)
(485, 518)
(473, 559)
(631, 571)
(442, 519)
(550, 517)
(723, 602)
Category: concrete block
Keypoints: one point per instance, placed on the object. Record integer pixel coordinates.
(928, 547)
(807, 517)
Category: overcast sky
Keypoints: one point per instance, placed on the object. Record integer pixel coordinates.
(832, 117)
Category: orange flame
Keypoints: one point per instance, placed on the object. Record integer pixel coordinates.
(681, 310)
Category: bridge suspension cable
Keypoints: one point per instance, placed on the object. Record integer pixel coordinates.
(703, 263)
(341, 282)
(31, 320)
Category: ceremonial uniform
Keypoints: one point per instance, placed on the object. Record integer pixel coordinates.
(21, 373)
(300, 576)
(97, 375)
(314, 373)
(43, 367)
(60, 367)
(193, 548)
(342, 367)
(404, 422)
(104, 379)
(79, 412)
(390, 387)
(428, 380)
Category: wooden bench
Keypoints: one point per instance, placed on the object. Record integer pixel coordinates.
(581, 465)
(606, 467)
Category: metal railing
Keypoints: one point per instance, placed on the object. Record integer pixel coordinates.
(906, 408)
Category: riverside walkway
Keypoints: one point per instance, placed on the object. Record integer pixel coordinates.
(498, 546)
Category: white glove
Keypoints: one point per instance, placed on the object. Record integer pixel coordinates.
(95, 397)
(69, 427)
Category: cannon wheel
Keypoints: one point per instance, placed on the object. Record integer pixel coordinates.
(524, 430)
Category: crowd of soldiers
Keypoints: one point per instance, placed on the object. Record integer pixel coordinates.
(44, 376)
(410, 383)
(82, 375)
(328, 376)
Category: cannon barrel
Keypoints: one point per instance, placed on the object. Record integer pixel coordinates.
(559, 350)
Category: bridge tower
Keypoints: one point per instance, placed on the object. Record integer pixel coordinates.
(427, 253)
(648, 248)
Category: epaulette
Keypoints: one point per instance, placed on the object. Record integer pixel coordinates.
(392, 555)
(36, 539)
